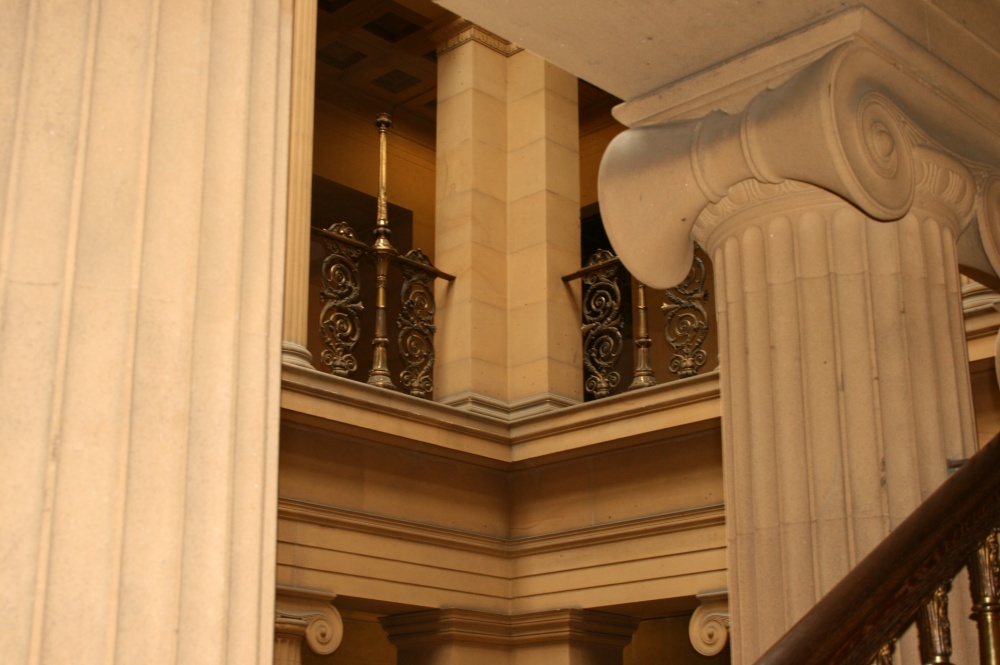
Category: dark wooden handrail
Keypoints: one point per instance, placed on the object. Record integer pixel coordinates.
(881, 596)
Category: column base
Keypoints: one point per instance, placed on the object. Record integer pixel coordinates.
(293, 353)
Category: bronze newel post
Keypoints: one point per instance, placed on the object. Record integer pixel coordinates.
(383, 252)
(644, 376)
(984, 578)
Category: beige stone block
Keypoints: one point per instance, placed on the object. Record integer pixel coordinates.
(544, 165)
(471, 115)
(529, 333)
(488, 272)
(544, 114)
(544, 216)
(472, 165)
(472, 66)
(528, 72)
(489, 379)
(489, 334)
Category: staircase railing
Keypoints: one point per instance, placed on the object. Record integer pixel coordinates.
(905, 580)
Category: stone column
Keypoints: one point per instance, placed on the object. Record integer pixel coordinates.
(305, 616)
(142, 162)
(508, 341)
(557, 637)
(834, 328)
(300, 158)
(832, 219)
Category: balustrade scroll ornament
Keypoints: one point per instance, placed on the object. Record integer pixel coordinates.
(340, 318)
(602, 327)
(984, 580)
(884, 656)
(304, 615)
(934, 628)
(416, 325)
(687, 321)
(709, 626)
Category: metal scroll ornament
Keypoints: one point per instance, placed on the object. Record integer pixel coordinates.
(687, 321)
(602, 327)
(884, 655)
(339, 320)
(416, 326)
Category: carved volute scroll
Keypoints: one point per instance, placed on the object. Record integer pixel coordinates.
(851, 116)
(304, 615)
(709, 626)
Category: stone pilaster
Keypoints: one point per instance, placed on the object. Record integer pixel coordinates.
(305, 617)
(832, 217)
(507, 227)
(557, 637)
(142, 156)
(300, 158)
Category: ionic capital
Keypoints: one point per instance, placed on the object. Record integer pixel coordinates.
(851, 123)
(709, 626)
(308, 614)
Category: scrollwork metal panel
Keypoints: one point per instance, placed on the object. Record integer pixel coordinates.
(602, 327)
(339, 320)
(687, 321)
(416, 326)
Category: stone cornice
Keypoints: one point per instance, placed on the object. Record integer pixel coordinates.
(558, 626)
(646, 527)
(317, 399)
(843, 124)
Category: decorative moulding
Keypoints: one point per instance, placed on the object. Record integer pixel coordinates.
(553, 626)
(386, 527)
(854, 119)
(709, 626)
(731, 84)
(491, 407)
(461, 31)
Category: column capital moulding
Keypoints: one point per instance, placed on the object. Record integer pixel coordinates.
(864, 127)
(461, 31)
(709, 626)
(308, 614)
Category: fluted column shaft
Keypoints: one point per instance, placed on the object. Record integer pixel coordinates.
(845, 386)
(300, 159)
(142, 162)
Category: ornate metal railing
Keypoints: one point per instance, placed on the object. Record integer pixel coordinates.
(607, 317)
(905, 580)
(340, 320)
(342, 299)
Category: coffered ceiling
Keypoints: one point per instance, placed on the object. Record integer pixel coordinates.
(378, 55)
